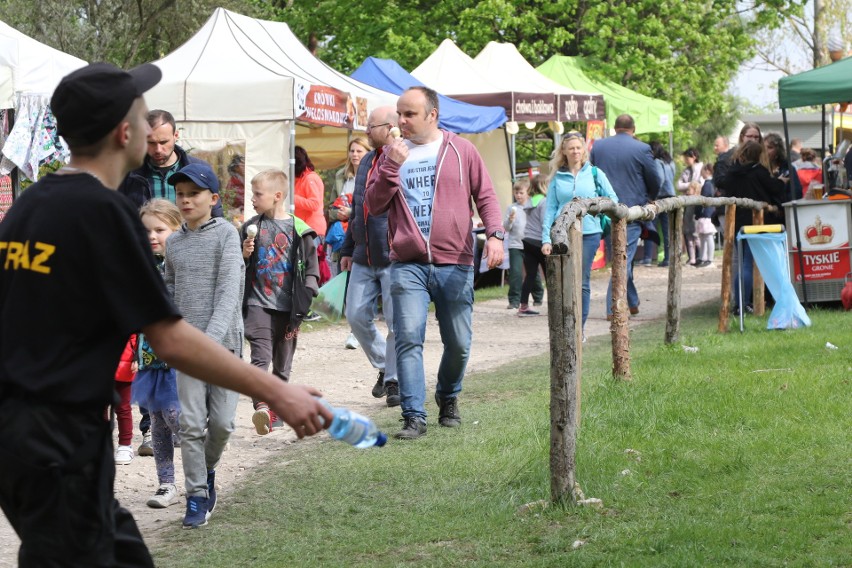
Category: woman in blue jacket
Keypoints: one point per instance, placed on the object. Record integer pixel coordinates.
(573, 176)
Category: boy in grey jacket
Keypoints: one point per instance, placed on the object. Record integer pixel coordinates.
(204, 275)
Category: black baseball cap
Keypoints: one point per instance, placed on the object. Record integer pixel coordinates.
(92, 100)
(200, 173)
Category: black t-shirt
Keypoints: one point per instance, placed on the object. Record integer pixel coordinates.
(78, 277)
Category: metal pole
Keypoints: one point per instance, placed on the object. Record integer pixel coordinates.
(822, 150)
(740, 280)
(509, 144)
(512, 159)
(787, 142)
(15, 175)
(801, 254)
(293, 167)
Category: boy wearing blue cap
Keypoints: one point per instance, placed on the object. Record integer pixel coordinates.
(204, 275)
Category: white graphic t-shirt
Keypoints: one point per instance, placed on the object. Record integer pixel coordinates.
(417, 176)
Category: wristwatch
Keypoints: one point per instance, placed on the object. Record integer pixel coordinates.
(498, 235)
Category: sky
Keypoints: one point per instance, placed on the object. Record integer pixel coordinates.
(758, 86)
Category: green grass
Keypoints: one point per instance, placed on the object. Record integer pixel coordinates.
(734, 465)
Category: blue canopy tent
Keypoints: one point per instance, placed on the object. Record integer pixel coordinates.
(455, 116)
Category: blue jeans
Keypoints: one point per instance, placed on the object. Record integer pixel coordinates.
(747, 274)
(366, 283)
(634, 231)
(590, 247)
(413, 286)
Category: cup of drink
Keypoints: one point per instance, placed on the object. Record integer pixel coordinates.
(817, 190)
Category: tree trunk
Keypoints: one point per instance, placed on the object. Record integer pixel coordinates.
(675, 267)
(758, 299)
(564, 306)
(727, 261)
(620, 337)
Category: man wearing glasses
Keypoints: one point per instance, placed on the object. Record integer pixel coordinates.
(426, 181)
(365, 254)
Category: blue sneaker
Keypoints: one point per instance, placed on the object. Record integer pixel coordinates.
(211, 491)
(196, 512)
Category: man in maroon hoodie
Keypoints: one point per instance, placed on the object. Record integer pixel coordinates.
(425, 181)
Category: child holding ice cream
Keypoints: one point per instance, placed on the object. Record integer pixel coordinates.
(282, 278)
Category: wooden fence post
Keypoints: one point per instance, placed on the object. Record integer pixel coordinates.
(620, 336)
(564, 308)
(675, 268)
(727, 262)
(758, 299)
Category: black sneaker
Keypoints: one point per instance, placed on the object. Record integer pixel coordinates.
(312, 316)
(448, 412)
(379, 388)
(413, 427)
(392, 389)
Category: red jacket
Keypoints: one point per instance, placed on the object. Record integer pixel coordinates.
(124, 373)
(308, 200)
(461, 176)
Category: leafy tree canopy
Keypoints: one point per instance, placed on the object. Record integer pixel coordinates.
(123, 32)
(683, 51)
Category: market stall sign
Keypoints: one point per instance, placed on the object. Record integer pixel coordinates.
(327, 106)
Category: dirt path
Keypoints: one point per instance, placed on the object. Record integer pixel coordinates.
(345, 377)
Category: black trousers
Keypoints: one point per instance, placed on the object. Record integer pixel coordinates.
(56, 488)
(533, 258)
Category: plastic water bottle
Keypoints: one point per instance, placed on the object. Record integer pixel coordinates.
(354, 429)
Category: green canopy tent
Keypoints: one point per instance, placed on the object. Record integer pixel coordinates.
(651, 115)
(821, 86)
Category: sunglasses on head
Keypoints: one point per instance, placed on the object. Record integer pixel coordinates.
(573, 134)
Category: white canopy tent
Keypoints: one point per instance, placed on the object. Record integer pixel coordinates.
(504, 61)
(29, 66)
(29, 73)
(241, 80)
(448, 69)
(493, 78)
(487, 80)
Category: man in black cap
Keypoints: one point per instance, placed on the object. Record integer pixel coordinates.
(78, 278)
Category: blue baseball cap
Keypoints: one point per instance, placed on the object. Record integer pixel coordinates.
(200, 173)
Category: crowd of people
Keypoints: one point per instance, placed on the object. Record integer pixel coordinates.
(627, 170)
(163, 327)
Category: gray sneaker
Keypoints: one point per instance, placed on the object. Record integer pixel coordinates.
(166, 495)
(145, 448)
(379, 387)
(448, 412)
(392, 388)
(413, 427)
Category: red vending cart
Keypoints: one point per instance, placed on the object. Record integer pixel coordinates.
(818, 237)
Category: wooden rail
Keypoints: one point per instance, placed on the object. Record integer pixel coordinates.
(564, 283)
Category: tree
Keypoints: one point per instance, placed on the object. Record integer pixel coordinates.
(123, 32)
(684, 51)
(801, 43)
